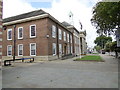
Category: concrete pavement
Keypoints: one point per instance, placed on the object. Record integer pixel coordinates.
(63, 74)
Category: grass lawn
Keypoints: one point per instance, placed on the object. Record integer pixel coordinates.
(90, 58)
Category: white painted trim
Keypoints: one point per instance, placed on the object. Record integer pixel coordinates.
(7, 50)
(18, 32)
(30, 49)
(18, 49)
(55, 49)
(53, 28)
(7, 34)
(26, 19)
(30, 31)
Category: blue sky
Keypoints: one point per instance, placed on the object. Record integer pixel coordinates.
(41, 4)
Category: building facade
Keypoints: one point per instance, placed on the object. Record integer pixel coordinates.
(1, 8)
(83, 43)
(36, 34)
(76, 43)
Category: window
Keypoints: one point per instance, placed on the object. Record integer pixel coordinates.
(71, 38)
(32, 31)
(64, 36)
(60, 49)
(9, 50)
(33, 49)
(20, 50)
(20, 33)
(68, 49)
(54, 49)
(60, 34)
(53, 31)
(68, 37)
(9, 34)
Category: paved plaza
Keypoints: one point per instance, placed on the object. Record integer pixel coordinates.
(62, 74)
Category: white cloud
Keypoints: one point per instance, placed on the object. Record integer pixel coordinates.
(81, 9)
(15, 7)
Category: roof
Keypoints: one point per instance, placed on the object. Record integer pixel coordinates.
(66, 24)
(69, 26)
(25, 15)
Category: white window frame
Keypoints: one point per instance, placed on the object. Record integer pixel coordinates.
(18, 33)
(8, 34)
(68, 37)
(19, 49)
(54, 46)
(30, 31)
(53, 31)
(64, 36)
(60, 34)
(30, 49)
(7, 50)
(71, 38)
(68, 49)
(60, 49)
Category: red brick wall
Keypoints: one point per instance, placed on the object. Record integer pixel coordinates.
(54, 40)
(40, 40)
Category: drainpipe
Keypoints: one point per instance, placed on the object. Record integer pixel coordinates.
(57, 36)
(14, 42)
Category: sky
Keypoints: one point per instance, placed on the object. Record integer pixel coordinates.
(60, 9)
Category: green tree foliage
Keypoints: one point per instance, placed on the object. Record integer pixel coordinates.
(102, 40)
(106, 17)
(108, 46)
(98, 48)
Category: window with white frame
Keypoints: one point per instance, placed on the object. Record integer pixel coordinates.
(32, 31)
(68, 37)
(33, 49)
(20, 50)
(53, 31)
(64, 36)
(20, 33)
(68, 49)
(54, 49)
(60, 34)
(9, 50)
(9, 34)
(71, 38)
(60, 49)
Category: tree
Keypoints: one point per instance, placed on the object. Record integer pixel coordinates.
(106, 17)
(108, 46)
(98, 48)
(102, 40)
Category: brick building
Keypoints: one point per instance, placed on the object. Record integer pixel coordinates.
(76, 38)
(36, 34)
(1, 7)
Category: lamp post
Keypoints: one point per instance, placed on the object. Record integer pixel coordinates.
(14, 42)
